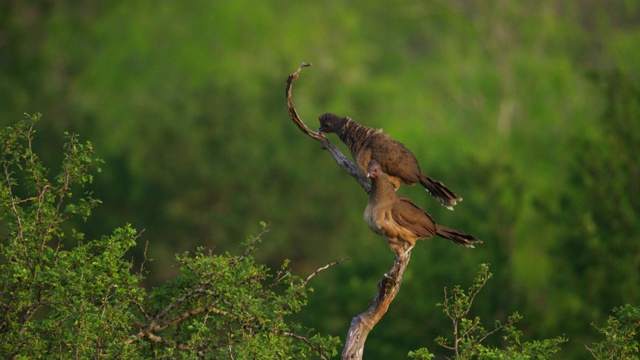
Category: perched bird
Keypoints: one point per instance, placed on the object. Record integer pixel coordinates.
(396, 160)
(401, 221)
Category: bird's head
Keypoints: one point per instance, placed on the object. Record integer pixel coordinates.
(374, 170)
(331, 123)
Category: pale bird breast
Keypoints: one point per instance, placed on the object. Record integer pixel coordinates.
(379, 220)
(370, 218)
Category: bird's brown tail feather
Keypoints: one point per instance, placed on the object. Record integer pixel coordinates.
(437, 189)
(456, 236)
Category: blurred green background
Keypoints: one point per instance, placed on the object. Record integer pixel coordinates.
(528, 110)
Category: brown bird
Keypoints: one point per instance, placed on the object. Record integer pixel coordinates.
(396, 160)
(401, 221)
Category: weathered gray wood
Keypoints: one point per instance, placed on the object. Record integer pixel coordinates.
(361, 325)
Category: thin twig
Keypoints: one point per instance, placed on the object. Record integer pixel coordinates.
(591, 351)
(306, 281)
(251, 245)
(144, 255)
(304, 284)
(476, 291)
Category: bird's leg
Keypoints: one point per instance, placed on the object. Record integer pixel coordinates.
(399, 254)
(407, 250)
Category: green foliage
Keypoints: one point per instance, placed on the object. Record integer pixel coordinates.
(184, 101)
(469, 333)
(599, 240)
(230, 308)
(621, 335)
(67, 297)
(421, 354)
(73, 302)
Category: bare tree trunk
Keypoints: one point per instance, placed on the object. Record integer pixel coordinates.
(362, 324)
(389, 285)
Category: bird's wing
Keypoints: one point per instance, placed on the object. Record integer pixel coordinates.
(395, 159)
(362, 158)
(410, 216)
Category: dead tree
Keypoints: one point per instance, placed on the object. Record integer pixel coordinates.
(389, 285)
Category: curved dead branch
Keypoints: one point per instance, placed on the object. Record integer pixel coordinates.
(389, 285)
(344, 163)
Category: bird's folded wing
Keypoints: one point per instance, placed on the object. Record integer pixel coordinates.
(410, 216)
(395, 159)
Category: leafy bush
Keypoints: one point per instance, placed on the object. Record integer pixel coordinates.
(67, 297)
(469, 333)
(621, 335)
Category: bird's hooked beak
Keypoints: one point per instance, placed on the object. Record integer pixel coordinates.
(323, 129)
(371, 175)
